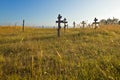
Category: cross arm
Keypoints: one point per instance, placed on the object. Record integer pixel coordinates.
(59, 21)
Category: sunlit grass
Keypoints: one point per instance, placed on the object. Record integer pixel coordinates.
(79, 54)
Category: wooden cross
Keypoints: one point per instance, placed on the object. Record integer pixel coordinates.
(23, 25)
(65, 22)
(74, 24)
(59, 24)
(83, 22)
(95, 22)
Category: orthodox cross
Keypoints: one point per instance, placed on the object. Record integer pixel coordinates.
(83, 23)
(65, 23)
(95, 22)
(59, 24)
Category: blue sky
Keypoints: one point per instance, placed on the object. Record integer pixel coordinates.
(45, 12)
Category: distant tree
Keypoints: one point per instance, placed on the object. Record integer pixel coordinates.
(109, 21)
(115, 21)
(103, 22)
(112, 21)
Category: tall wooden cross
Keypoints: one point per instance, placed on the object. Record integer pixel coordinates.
(59, 24)
(65, 22)
(83, 23)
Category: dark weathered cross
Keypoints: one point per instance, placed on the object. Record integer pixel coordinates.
(65, 22)
(95, 22)
(83, 23)
(59, 24)
(23, 25)
(74, 24)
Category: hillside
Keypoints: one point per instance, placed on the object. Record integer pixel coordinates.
(79, 54)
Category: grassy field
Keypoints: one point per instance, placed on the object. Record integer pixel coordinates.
(79, 54)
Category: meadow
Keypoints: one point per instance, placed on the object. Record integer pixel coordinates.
(79, 54)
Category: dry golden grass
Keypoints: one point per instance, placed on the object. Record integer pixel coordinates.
(79, 54)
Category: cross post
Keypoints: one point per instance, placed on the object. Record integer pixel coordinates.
(23, 25)
(74, 24)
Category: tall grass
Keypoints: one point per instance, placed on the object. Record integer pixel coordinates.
(79, 54)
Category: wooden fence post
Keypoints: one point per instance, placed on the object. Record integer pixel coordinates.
(74, 24)
(23, 25)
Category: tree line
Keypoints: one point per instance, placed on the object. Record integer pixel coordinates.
(110, 21)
